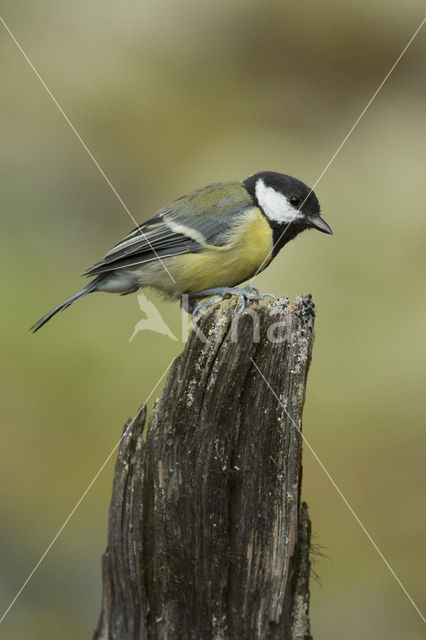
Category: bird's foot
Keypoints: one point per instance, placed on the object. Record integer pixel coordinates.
(245, 294)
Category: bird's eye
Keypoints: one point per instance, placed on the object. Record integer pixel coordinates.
(295, 201)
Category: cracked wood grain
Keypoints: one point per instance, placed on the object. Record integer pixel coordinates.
(207, 536)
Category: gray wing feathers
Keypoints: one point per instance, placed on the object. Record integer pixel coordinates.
(207, 215)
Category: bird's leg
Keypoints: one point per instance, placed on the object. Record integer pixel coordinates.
(220, 293)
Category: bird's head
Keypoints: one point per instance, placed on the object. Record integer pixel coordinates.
(286, 202)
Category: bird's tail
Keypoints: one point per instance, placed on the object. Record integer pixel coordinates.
(66, 303)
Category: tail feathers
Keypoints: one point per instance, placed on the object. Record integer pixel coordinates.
(80, 294)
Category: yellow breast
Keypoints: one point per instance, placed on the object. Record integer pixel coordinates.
(250, 243)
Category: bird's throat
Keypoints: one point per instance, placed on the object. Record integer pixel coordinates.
(282, 234)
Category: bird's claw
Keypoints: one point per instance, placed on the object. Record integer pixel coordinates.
(250, 289)
(203, 306)
(248, 293)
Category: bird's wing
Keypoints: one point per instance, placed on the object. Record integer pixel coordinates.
(203, 217)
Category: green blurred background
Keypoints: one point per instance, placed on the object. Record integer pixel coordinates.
(170, 96)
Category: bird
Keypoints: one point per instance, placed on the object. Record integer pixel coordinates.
(207, 242)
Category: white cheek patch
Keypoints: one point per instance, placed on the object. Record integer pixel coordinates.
(275, 205)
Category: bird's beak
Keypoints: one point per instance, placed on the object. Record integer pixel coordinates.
(318, 223)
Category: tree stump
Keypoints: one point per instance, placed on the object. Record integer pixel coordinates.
(207, 535)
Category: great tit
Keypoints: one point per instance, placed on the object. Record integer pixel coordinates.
(207, 242)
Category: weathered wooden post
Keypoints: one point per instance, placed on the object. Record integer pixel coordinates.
(207, 536)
